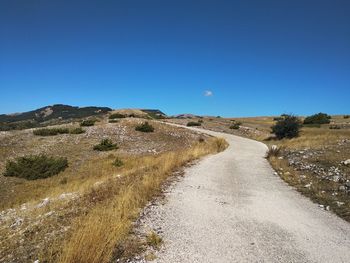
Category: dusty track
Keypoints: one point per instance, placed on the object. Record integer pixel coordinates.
(230, 207)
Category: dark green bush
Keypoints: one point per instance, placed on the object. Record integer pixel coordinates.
(287, 127)
(105, 145)
(144, 127)
(56, 131)
(50, 131)
(35, 167)
(87, 123)
(118, 162)
(193, 123)
(319, 118)
(346, 116)
(116, 116)
(235, 126)
(113, 121)
(77, 130)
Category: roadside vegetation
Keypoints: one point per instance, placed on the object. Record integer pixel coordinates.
(84, 212)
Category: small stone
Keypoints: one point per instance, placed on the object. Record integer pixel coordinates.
(43, 203)
(342, 188)
(308, 185)
(346, 162)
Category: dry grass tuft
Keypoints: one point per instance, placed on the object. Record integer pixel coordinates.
(154, 240)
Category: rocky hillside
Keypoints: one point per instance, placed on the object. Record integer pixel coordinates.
(57, 111)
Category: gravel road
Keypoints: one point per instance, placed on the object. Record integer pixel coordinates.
(230, 207)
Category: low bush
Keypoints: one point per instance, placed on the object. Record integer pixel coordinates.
(118, 162)
(287, 127)
(193, 123)
(319, 118)
(86, 123)
(113, 121)
(116, 116)
(77, 130)
(334, 127)
(35, 167)
(346, 116)
(56, 131)
(50, 131)
(144, 127)
(105, 145)
(235, 126)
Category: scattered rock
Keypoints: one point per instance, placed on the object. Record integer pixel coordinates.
(17, 223)
(44, 202)
(346, 162)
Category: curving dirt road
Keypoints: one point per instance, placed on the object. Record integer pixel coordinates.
(230, 207)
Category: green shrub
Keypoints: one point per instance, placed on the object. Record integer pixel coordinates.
(144, 127)
(113, 121)
(235, 126)
(346, 116)
(87, 123)
(319, 118)
(50, 131)
(56, 131)
(200, 121)
(105, 145)
(116, 116)
(287, 127)
(35, 167)
(193, 123)
(118, 162)
(77, 130)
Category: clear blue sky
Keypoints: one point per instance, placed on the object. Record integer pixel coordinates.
(254, 57)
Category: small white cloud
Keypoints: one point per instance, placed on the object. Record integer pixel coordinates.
(208, 93)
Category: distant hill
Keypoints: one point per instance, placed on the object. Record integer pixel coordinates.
(155, 114)
(186, 116)
(58, 112)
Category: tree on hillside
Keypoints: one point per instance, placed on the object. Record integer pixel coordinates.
(288, 126)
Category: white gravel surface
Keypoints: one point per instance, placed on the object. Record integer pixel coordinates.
(230, 207)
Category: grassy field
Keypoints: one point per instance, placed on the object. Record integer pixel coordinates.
(85, 213)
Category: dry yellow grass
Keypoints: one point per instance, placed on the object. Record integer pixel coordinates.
(316, 137)
(96, 235)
